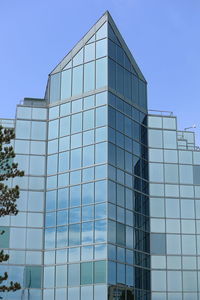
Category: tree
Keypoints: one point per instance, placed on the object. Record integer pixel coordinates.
(8, 196)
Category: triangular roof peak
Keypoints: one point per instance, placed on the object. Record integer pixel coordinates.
(106, 17)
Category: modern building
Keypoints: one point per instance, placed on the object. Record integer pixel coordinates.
(90, 198)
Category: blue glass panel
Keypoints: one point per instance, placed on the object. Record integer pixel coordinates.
(65, 109)
(66, 84)
(88, 156)
(100, 231)
(76, 123)
(51, 200)
(64, 144)
(76, 159)
(101, 134)
(75, 195)
(87, 213)
(100, 211)
(63, 198)
(119, 79)
(87, 233)
(55, 88)
(100, 172)
(100, 191)
(120, 56)
(53, 129)
(62, 217)
(89, 102)
(89, 76)
(87, 174)
(64, 162)
(88, 137)
(74, 215)
(102, 32)
(101, 116)
(101, 73)
(77, 105)
(88, 119)
(88, 193)
(76, 140)
(62, 236)
(78, 58)
(101, 98)
(101, 48)
(52, 164)
(77, 83)
(89, 52)
(101, 153)
(63, 180)
(64, 126)
(112, 74)
(135, 89)
(74, 234)
(50, 235)
(50, 219)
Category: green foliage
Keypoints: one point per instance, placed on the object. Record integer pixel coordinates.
(8, 196)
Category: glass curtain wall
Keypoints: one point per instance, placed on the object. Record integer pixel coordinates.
(83, 227)
(23, 237)
(76, 200)
(128, 201)
(174, 166)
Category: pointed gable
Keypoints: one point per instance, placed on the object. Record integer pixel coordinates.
(115, 36)
(98, 31)
(100, 60)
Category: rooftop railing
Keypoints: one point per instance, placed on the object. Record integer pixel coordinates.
(161, 112)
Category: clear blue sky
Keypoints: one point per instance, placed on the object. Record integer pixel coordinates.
(163, 35)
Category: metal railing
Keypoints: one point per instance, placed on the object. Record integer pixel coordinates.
(161, 112)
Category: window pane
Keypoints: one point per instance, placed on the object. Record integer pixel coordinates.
(87, 273)
(33, 276)
(89, 52)
(74, 275)
(101, 48)
(101, 73)
(89, 77)
(64, 126)
(88, 119)
(66, 84)
(61, 276)
(76, 123)
(74, 234)
(87, 233)
(99, 272)
(77, 80)
(55, 88)
(158, 281)
(100, 231)
(101, 116)
(78, 58)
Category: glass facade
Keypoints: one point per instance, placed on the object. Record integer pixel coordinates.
(108, 206)
(83, 227)
(174, 164)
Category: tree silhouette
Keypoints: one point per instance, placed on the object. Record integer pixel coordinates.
(8, 195)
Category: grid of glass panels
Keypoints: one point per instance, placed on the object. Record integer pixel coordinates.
(122, 76)
(128, 202)
(174, 209)
(86, 72)
(76, 210)
(23, 238)
(92, 237)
